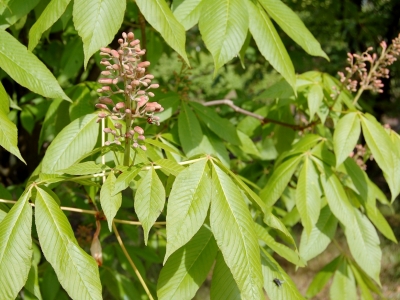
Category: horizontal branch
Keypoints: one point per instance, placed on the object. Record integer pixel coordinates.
(89, 212)
(262, 119)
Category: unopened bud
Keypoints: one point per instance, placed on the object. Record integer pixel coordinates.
(135, 145)
(143, 64)
(150, 94)
(139, 130)
(101, 106)
(115, 53)
(128, 111)
(115, 67)
(144, 148)
(102, 115)
(106, 73)
(154, 86)
(120, 105)
(131, 36)
(141, 137)
(107, 130)
(105, 80)
(118, 125)
(106, 100)
(106, 50)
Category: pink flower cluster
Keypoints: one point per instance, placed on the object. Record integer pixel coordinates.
(126, 74)
(370, 78)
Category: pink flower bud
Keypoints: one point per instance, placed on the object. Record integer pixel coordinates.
(115, 81)
(107, 143)
(118, 125)
(115, 67)
(120, 52)
(141, 92)
(105, 49)
(144, 148)
(154, 86)
(131, 36)
(106, 88)
(128, 111)
(141, 137)
(149, 76)
(134, 43)
(143, 64)
(106, 100)
(120, 105)
(135, 145)
(124, 35)
(139, 130)
(114, 117)
(106, 73)
(101, 106)
(150, 94)
(102, 115)
(107, 130)
(115, 53)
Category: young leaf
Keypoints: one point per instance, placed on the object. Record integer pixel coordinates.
(187, 268)
(271, 271)
(269, 43)
(26, 69)
(49, 16)
(380, 222)
(320, 236)
(365, 291)
(221, 127)
(272, 221)
(110, 201)
(9, 136)
(223, 25)
(308, 196)
(74, 141)
(314, 99)
(188, 13)
(76, 270)
(15, 248)
(189, 129)
(223, 286)
(382, 149)
(126, 178)
(280, 249)
(343, 284)
(188, 205)
(364, 243)
(322, 278)
(279, 180)
(159, 15)
(85, 168)
(149, 200)
(346, 135)
(170, 166)
(233, 228)
(97, 22)
(162, 146)
(293, 26)
(32, 283)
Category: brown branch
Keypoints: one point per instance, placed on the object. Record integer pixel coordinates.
(262, 119)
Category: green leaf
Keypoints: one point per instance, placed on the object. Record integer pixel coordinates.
(15, 10)
(364, 243)
(307, 195)
(272, 221)
(126, 178)
(188, 267)
(380, 222)
(223, 286)
(85, 168)
(322, 277)
(320, 236)
(110, 201)
(271, 270)
(149, 200)
(162, 146)
(293, 26)
(188, 205)
(247, 144)
(74, 141)
(32, 283)
(382, 149)
(365, 291)
(279, 180)
(160, 16)
(314, 99)
(220, 126)
(97, 22)
(223, 25)
(188, 13)
(269, 43)
(15, 248)
(9, 136)
(233, 228)
(76, 270)
(4, 100)
(170, 166)
(343, 284)
(280, 249)
(49, 16)
(189, 129)
(26, 69)
(345, 137)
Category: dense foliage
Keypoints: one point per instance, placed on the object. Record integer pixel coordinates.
(156, 139)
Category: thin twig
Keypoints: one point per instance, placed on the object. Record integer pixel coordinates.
(121, 243)
(262, 119)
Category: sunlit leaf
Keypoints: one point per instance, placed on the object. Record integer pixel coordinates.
(189, 129)
(9, 136)
(110, 201)
(188, 13)
(343, 284)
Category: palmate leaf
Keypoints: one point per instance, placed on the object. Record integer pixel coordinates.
(188, 13)
(343, 284)
(223, 286)
(9, 136)
(97, 22)
(160, 16)
(223, 25)
(76, 270)
(293, 26)
(110, 201)
(74, 141)
(272, 270)
(126, 178)
(49, 16)
(188, 267)
(382, 149)
(188, 205)
(26, 69)
(346, 135)
(234, 231)
(307, 195)
(15, 248)
(321, 234)
(279, 180)
(149, 200)
(269, 43)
